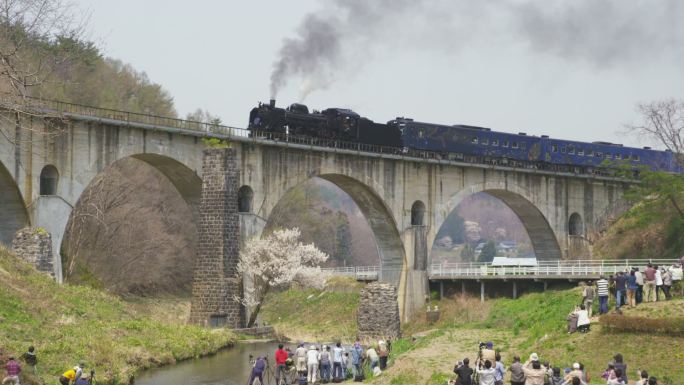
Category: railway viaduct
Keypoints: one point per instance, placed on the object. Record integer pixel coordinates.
(47, 163)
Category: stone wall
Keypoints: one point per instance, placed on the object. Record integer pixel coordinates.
(215, 284)
(34, 245)
(378, 315)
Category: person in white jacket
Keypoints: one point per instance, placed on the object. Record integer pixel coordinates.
(487, 374)
(312, 358)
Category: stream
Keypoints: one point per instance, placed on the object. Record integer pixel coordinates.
(228, 367)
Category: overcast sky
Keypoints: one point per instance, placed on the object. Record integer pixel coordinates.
(571, 70)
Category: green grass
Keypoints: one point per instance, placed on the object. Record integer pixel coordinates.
(535, 315)
(537, 323)
(314, 315)
(68, 324)
(404, 379)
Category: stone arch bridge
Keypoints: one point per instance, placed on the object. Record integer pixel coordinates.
(47, 162)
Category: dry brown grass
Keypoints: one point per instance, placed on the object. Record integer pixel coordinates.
(455, 310)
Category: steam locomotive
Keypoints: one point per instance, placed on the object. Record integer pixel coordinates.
(455, 142)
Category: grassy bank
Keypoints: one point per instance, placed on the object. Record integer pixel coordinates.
(535, 323)
(315, 315)
(68, 324)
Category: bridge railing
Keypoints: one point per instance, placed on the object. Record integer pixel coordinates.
(363, 273)
(55, 106)
(558, 268)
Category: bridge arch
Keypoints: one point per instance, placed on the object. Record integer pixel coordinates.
(575, 225)
(418, 213)
(104, 202)
(382, 223)
(245, 199)
(13, 213)
(49, 180)
(187, 182)
(542, 236)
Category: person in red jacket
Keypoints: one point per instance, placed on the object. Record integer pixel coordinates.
(13, 369)
(281, 370)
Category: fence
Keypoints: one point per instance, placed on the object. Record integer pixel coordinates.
(544, 269)
(361, 273)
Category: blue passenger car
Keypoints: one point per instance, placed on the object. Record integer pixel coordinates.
(468, 142)
(591, 155)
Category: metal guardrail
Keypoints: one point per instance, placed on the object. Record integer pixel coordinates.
(560, 268)
(361, 273)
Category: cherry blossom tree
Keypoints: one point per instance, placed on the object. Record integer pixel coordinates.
(277, 261)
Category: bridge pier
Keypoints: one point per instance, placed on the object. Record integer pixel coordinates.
(215, 284)
(463, 291)
(482, 291)
(515, 290)
(441, 289)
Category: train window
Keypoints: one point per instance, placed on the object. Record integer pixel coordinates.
(484, 141)
(495, 142)
(618, 156)
(562, 149)
(636, 157)
(599, 154)
(554, 148)
(523, 145)
(608, 156)
(420, 134)
(580, 151)
(515, 145)
(473, 140)
(590, 152)
(571, 150)
(504, 143)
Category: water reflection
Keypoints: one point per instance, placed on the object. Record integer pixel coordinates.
(229, 367)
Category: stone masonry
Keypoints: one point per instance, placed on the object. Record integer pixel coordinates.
(378, 314)
(34, 245)
(215, 283)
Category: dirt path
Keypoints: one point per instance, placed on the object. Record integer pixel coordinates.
(428, 364)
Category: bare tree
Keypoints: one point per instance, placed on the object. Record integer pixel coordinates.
(663, 122)
(28, 60)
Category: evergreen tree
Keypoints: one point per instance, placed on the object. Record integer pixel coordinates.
(488, 252)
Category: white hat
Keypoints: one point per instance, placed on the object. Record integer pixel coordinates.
(576, 366)
(312, 347)
(534, 357)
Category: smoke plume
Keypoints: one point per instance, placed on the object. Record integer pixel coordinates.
(336, 41)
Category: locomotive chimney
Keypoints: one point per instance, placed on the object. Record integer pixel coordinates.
(271, 103)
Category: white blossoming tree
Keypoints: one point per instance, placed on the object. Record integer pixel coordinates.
(276, 261)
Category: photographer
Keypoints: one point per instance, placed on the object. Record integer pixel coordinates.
(257, 370)
(86, 379)
(464, 373)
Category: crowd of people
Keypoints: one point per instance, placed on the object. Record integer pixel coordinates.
(13, 368)
(322, 364)
(489, 370)
(628, 288)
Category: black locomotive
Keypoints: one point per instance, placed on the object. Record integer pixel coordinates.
(452, 142)
(333, 123)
